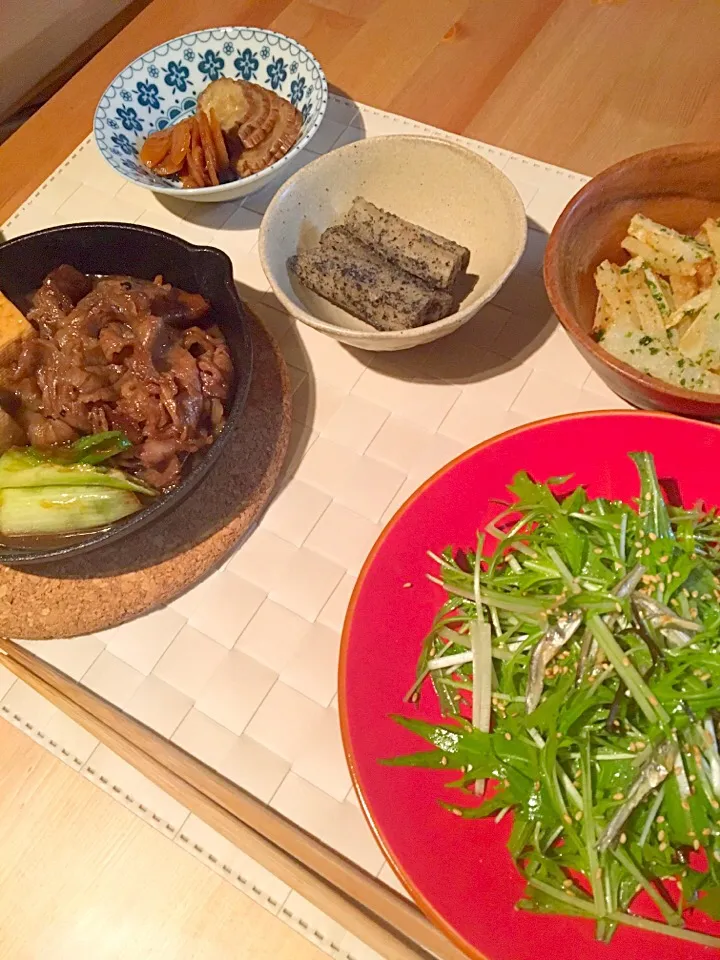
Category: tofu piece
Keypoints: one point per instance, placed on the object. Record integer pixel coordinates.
(13, 325)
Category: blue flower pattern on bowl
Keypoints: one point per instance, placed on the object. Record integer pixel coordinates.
(277, 73)
(120, 140)
(148, 95)
(246, 64)
(176, 76)
(134, 106)
(297, 91)
(211, 64)
(182, 109)
(129, 119)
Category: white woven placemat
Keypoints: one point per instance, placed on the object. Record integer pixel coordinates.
(241, 670)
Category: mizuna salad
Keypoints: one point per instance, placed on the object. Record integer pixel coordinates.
(577, 670)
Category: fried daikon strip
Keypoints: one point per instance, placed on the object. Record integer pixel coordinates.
(690, 308)
(711, 228)
(208, 147)
(683, 288)
(612, 285)
(674, 245)
(646, 306)
(219, 140)
(701, 342)
(658, 261)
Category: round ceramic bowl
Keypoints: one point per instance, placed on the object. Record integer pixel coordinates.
(435, 183)
(678, 186)
(102, 248)
(162, 86)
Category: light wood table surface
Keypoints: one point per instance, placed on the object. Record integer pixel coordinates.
(572, 82)
(81, 878)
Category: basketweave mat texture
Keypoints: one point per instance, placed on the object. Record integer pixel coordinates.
(241, 670)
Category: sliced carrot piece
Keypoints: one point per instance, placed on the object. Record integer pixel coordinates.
(180, 141)
(196, 158)
(223, 161)
(208, 147)
(167, 168)
(155, 148)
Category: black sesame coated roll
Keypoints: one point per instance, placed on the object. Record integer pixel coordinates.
(426, 255)
(375, 292)
(339, 240)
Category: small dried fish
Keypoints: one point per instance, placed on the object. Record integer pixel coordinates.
(661, 617)
(546, 648)
(622, 589)
(656, 770)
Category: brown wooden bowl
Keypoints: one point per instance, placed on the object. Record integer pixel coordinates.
(678, 186)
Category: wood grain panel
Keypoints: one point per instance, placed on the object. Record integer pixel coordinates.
(600, 82)
(82, 877)
(573, 82)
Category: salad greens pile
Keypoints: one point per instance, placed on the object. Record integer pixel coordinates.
(66, 489)
(577, 668)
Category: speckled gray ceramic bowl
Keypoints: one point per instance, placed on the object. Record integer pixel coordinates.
(435, 183)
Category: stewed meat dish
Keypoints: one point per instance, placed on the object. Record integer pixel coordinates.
(118, 354)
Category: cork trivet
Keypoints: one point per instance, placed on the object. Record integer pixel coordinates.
(111, 585)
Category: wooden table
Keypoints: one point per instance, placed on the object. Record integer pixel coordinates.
(572, 82)
(123, 891)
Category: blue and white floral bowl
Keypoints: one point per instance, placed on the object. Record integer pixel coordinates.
(162, 86)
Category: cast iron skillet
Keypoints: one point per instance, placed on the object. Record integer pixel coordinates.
(102, 248)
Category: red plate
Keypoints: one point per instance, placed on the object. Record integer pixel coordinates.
(459, 871)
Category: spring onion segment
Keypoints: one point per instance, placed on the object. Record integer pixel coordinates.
(46, 510)
(65, 489)
(583, 695)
